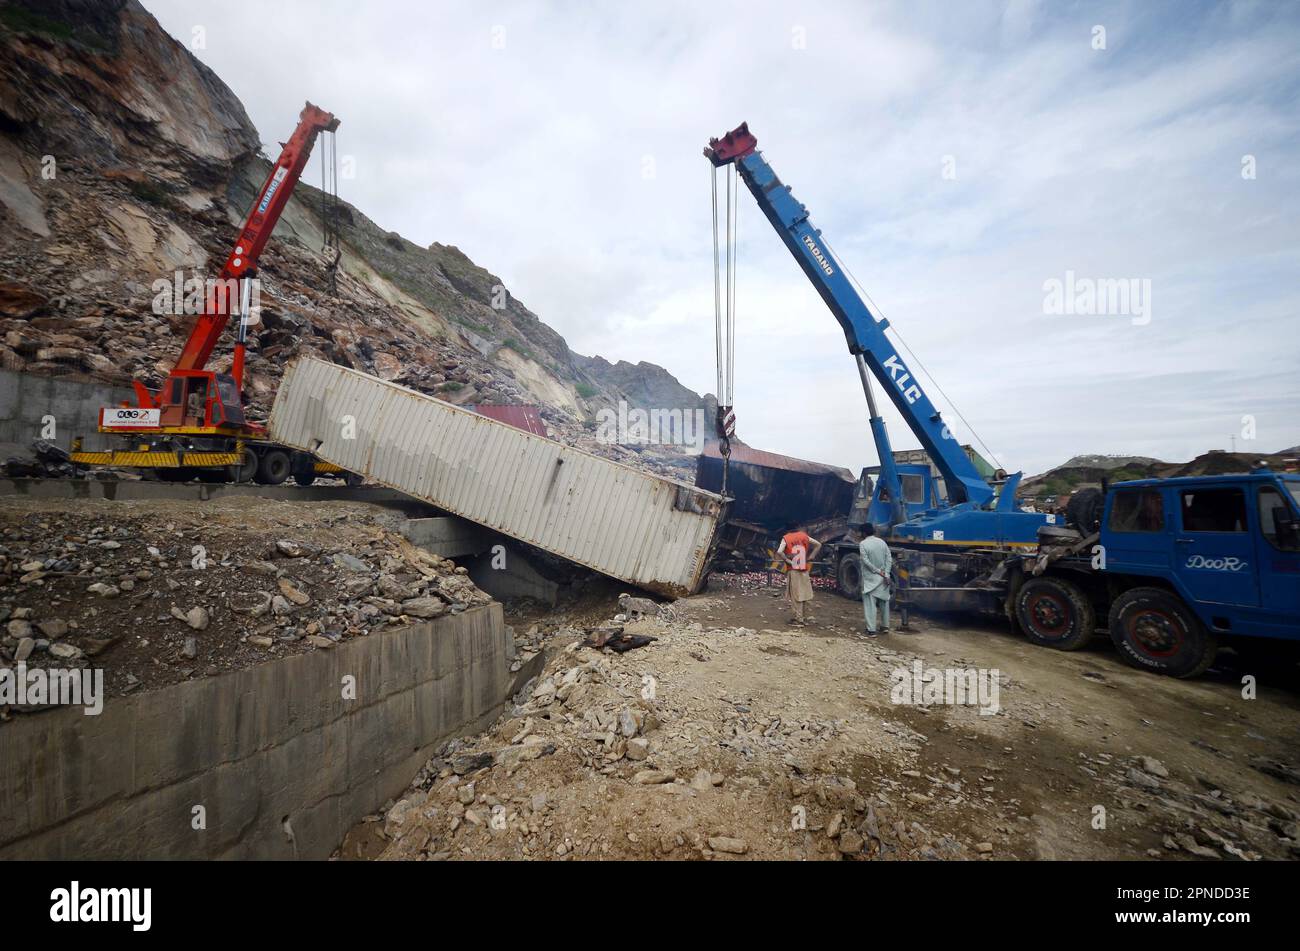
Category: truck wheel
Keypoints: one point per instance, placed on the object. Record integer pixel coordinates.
(1053, 612)
(304, 477)
(848, 577)
(274, 467)
(1154, 630)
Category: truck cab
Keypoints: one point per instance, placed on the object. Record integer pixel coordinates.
(1191, 560)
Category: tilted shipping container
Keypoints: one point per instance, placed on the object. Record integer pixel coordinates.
(649, 531)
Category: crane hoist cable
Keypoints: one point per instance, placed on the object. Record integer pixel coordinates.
(724, 313)
(329, 187)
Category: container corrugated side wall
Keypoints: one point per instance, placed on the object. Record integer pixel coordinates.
(646, 530)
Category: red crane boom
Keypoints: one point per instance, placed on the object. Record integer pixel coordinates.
(240, 265)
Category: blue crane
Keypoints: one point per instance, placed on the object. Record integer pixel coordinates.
(1174, 566)
(973, 513)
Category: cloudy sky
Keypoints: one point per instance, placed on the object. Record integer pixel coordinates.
(957, 156)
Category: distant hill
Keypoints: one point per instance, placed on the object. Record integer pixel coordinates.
(1091, 469)
(1103, 461)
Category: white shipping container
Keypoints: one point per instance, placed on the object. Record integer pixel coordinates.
(652, 532)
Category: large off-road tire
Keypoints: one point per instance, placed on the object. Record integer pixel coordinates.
(1057, 535)
(1084, 510)
(304, 470)
(1154, 630)
(1054, 612)
(848, 577)
(274, 467)
(246, 471)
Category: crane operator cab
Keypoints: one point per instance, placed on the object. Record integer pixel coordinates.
(195, 399)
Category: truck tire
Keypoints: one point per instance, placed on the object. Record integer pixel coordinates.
(273, 468)
(1055, 613)
(848, 577)
(1084, 509)
(1154, 630)
(304, 469)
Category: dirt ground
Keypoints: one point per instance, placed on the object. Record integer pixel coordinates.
(760, 739)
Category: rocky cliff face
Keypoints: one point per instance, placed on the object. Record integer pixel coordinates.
(645, 384)
(123, 160)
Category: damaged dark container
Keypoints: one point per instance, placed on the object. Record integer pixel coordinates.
(772, 490)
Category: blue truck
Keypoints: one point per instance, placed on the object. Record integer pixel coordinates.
(1173, 568)
(1215, 557)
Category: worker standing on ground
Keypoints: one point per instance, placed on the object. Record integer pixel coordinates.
(798, 550)
(876, 561)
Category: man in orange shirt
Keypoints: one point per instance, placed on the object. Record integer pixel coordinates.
(797, 550)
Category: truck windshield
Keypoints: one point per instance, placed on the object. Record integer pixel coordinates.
(1137, 510)
(1276, 523)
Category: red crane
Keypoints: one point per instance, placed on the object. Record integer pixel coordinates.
(193, 397)
(195, 423)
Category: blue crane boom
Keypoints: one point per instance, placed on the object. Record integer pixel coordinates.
(967, 491)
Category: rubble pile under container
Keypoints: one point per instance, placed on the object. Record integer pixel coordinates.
(649, 531)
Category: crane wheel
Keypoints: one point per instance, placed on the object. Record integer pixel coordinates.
(1055, 613)
(274, 467)
(848, 577)
(246, 471)
(1154, 630)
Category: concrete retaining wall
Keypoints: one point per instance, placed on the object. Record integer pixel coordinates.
(449, 536)
(516, 578)
(256, 748)
(26, 398)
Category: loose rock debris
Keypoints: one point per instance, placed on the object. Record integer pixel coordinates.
(726, 736)
(160, 592)
(719, 742)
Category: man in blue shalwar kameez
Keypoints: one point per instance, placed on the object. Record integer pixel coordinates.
(876, 562)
